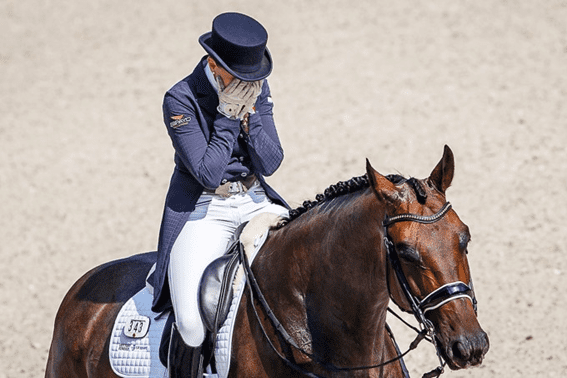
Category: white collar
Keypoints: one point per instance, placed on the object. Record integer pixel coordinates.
(211, 77)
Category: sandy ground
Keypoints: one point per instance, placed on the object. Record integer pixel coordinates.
(85, 159)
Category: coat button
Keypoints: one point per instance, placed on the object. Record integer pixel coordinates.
(243, 174)
(224, 181)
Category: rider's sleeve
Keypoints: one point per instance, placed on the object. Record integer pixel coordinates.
(264, 145)
(206, 160)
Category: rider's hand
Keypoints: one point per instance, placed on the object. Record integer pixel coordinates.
(238, 98)
(256, 89)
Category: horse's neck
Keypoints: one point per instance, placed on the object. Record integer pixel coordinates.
(329, 270)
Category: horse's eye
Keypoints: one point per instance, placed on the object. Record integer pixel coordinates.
(464, 241)
(408, 253)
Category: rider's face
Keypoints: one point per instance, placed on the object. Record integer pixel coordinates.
(219, 71)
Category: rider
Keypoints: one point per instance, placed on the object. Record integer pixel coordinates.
(220, 121)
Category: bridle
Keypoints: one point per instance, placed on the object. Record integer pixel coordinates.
(435, 299)
(438, 297)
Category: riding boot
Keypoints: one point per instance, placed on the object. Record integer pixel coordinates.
(183, 360)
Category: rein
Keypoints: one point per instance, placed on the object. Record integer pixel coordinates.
(434, 300)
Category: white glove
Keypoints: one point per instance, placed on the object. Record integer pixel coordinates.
(238, 98)
(256, 87)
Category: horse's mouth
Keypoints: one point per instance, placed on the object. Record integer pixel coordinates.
(463, 353)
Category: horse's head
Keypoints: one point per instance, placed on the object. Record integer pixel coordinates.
(427, 243)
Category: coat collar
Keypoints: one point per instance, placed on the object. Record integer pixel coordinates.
(207, 97)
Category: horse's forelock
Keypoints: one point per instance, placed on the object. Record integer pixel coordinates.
(418, 188)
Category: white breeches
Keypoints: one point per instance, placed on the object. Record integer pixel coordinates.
(204, 238)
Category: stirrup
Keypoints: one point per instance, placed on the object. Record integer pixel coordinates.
(183, 361)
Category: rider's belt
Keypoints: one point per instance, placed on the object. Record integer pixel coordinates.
(231, 188)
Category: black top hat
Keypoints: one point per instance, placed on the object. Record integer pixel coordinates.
(238, 44)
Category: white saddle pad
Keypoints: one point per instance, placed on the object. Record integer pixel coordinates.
(135, 340)
(136, 336)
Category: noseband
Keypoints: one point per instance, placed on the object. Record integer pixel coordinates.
(438, 297)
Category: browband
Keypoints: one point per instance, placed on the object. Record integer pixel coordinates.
(418, 218)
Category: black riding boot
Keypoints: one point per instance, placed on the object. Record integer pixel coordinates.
(183, 360)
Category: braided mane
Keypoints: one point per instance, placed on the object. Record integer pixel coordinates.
(353, 185)
(333, 191)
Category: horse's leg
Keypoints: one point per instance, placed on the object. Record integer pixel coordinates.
(83, 324)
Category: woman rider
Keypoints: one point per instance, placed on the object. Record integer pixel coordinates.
(220, 121)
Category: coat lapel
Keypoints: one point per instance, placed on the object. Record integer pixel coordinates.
(207, 97)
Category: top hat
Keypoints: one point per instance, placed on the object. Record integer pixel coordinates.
(238, 44)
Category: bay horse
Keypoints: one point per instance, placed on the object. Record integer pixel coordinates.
(319, 288)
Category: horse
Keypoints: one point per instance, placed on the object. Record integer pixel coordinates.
(319, 289)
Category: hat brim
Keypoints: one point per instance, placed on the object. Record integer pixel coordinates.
(262, 73)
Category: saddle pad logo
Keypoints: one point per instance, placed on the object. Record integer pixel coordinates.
(179, 120)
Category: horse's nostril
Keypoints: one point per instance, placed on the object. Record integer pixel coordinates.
(485, 345)
(460, 351)
(486, 342)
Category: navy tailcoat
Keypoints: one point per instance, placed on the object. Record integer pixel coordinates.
(210, 149)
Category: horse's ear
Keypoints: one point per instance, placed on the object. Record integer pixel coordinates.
(442, 175)
(384, 188)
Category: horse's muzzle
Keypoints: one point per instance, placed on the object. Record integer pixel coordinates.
(466, 351)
